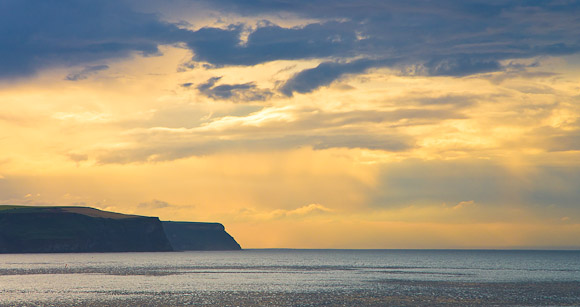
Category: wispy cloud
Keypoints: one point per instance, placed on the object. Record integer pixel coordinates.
(86, 72)
(311, 210)
(233, 92)
(154, 204)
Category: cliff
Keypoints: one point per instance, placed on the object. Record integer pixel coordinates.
(81, 229)
(185, 236)
(77, 230)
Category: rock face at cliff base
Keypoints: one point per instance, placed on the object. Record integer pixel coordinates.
(185, 236)
(82, 230)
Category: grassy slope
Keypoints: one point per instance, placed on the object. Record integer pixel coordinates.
(79, 210)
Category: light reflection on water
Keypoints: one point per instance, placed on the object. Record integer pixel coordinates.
(70, 277)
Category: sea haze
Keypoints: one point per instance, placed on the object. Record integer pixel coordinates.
(294, 278)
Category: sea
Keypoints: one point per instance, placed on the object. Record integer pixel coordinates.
(293, 277)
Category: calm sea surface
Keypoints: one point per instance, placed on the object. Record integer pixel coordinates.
(294, 278)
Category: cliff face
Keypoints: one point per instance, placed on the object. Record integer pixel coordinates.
(76, 230)
(199, 236)
(83, 230)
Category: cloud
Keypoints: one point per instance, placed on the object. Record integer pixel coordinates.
(280, 128)
(86, 72)
(298, 213)
(154, 204)
(455, 100)
(310, 209)
(373, 142)
(447, 38)
(416, 182)
(270, 42)
(78, 157)
(483, 182)
(232, 92)
(325, 73)
(464, 205)
(43, 34)
(519, 70)
(477, 10)
(565, 141)
(167, 149)
(564, 138)
(271, 128)
(461, 65)
(554, 185)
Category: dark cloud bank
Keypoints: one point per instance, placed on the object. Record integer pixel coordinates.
(439, 38)
(37, 34)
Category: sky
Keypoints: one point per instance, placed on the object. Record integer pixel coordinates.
(301, 124)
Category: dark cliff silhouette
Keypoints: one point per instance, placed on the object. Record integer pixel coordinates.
(185, 236)
(82, 229)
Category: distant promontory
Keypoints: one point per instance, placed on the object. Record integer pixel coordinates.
(25, 229)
